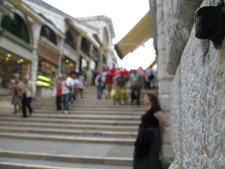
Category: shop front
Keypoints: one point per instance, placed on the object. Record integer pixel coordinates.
(48, 62)
(11, 64)
(69, 65)
(83, 64)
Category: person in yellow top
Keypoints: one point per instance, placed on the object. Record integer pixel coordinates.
(28, 93)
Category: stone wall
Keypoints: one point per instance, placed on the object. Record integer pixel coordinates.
(164, 79)
(195, 105)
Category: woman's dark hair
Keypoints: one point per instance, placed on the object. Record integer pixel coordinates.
(153, 98)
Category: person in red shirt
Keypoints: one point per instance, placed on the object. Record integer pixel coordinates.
(126, 74)
(113, 70)
(59, 93)
(108, 83)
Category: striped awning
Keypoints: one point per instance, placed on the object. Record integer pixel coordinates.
(26, 11)
(106, 48)
(139, 34)
(90, 38)
(151, 65)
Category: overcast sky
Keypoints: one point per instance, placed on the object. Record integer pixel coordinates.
(124, 14)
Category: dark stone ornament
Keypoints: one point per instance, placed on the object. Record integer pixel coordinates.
(210, 23)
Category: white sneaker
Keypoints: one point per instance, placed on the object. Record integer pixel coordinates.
(66, 112)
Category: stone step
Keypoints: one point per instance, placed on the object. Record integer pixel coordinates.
(92, 153)
(114, 112)
(67, 158)
(70, 126)
(22, 165)
(96, 107)
(66, 132)
(84, 101)
(78, 116)
(15, 163)
(75, 121)
(70, 148)
(124, 141)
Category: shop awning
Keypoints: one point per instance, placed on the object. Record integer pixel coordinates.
(139, 34)
(37, 18)
(151, 65)
(106, 48)
(26, 11)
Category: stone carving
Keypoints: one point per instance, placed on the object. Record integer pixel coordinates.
(178, 24)
(210, 23)
(198, 105)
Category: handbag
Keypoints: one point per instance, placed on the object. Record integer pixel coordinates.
(112, 93)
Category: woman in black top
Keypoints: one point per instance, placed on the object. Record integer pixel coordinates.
(148, 143)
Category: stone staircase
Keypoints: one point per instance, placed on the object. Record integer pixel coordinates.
(95, 135)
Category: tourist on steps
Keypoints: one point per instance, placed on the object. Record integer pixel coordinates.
(99, 85)
(67, 85)
(148, 142)
(28, 93)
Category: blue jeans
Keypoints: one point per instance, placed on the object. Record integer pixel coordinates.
(99, 91)
(65, 101)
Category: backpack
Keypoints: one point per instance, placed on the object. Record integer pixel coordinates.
(99, 80)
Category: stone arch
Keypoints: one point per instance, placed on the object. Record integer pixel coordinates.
(69, 39)
(17, 26)
(49, 34)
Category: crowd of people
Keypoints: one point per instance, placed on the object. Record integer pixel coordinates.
(68, 88)
(112, 83)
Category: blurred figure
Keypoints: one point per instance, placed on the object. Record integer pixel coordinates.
(16, 92)
(108, 83)
(59, 93)
(99, 85)
(80, 85)
(94, 74)
(151, 78)
(120, 91)
(136, 83)
(148, 142)
(67, 85)
(126, 74)
(28, 93)
(104, 72)
(74, 92)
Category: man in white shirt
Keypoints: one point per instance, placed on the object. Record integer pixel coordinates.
(67, 85)
(28, 93)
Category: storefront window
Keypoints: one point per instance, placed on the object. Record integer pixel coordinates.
(9, 65)
(46, 74)
(70, 66)
(83, 64)
(92, 65)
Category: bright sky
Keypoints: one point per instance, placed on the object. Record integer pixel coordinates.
(124, 14)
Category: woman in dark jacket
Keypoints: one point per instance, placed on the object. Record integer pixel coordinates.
(148, 143)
